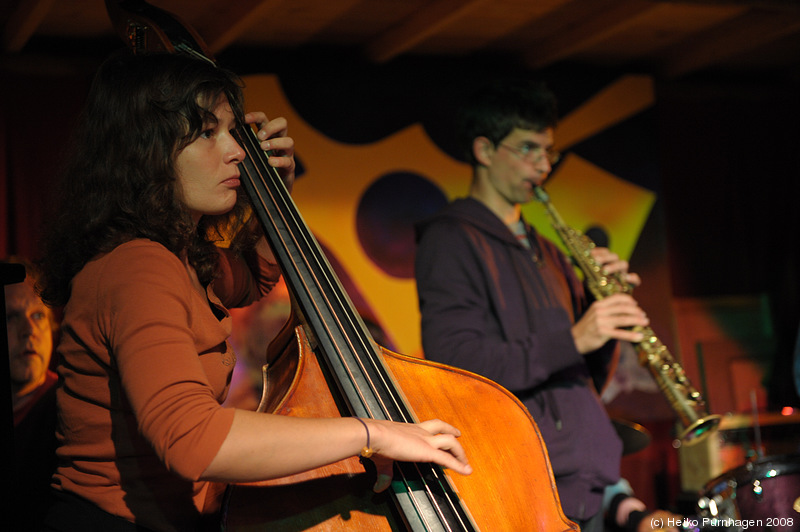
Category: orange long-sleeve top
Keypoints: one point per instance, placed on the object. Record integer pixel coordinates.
(145, 364)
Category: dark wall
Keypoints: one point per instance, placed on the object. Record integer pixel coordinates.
(731, 178)
(38, 110)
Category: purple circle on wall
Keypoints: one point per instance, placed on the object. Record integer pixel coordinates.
(386, 215)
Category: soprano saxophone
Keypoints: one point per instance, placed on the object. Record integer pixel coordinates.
(654, 355)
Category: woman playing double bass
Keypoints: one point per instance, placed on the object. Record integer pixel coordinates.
(151, 184)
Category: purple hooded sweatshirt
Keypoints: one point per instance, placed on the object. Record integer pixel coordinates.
(493, 306)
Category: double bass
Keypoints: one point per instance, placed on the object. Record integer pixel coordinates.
(325, 363)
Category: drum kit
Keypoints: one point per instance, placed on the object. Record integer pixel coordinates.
(762, 495)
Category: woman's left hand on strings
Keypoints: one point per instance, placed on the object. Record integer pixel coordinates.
(273, 136)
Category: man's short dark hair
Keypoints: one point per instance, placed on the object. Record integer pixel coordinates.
(496, 109)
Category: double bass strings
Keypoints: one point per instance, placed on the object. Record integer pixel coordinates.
(425, 486)
(311, 273)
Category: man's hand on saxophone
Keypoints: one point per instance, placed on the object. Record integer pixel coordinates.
(607, 319)
(613, 316)
(613, 265)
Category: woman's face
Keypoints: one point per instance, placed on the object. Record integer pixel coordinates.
(207, 168)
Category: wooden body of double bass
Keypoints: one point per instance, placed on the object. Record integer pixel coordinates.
(511, 489)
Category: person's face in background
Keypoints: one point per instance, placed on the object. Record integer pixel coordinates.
(30, 337)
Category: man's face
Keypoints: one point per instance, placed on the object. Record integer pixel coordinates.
(30, 337)
(519, 163)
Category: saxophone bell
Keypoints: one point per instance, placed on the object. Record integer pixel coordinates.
(700, 429)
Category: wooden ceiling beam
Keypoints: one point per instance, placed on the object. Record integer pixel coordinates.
(226, 21)
(734, 37)
(418, 27)
(23, 23)
(606, 19)
(781, 4)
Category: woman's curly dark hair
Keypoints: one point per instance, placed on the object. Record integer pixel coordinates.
(120, 183)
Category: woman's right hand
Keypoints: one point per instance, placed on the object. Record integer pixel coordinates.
(429, 441)
(263, 446)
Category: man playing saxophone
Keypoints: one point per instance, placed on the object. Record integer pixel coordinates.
(498, 299)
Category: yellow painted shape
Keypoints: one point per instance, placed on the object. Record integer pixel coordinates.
(615, 103)
(585, 195)
(337, 174)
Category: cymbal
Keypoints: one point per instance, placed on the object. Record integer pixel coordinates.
(634, 436)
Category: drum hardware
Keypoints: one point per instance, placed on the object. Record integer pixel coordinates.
(634, 436)
(717, 504)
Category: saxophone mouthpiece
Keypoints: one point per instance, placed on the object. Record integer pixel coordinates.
(541, 195)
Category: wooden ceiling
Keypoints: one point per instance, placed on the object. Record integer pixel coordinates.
(669, 39)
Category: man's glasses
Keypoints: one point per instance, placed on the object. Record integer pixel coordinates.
(533, 153)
